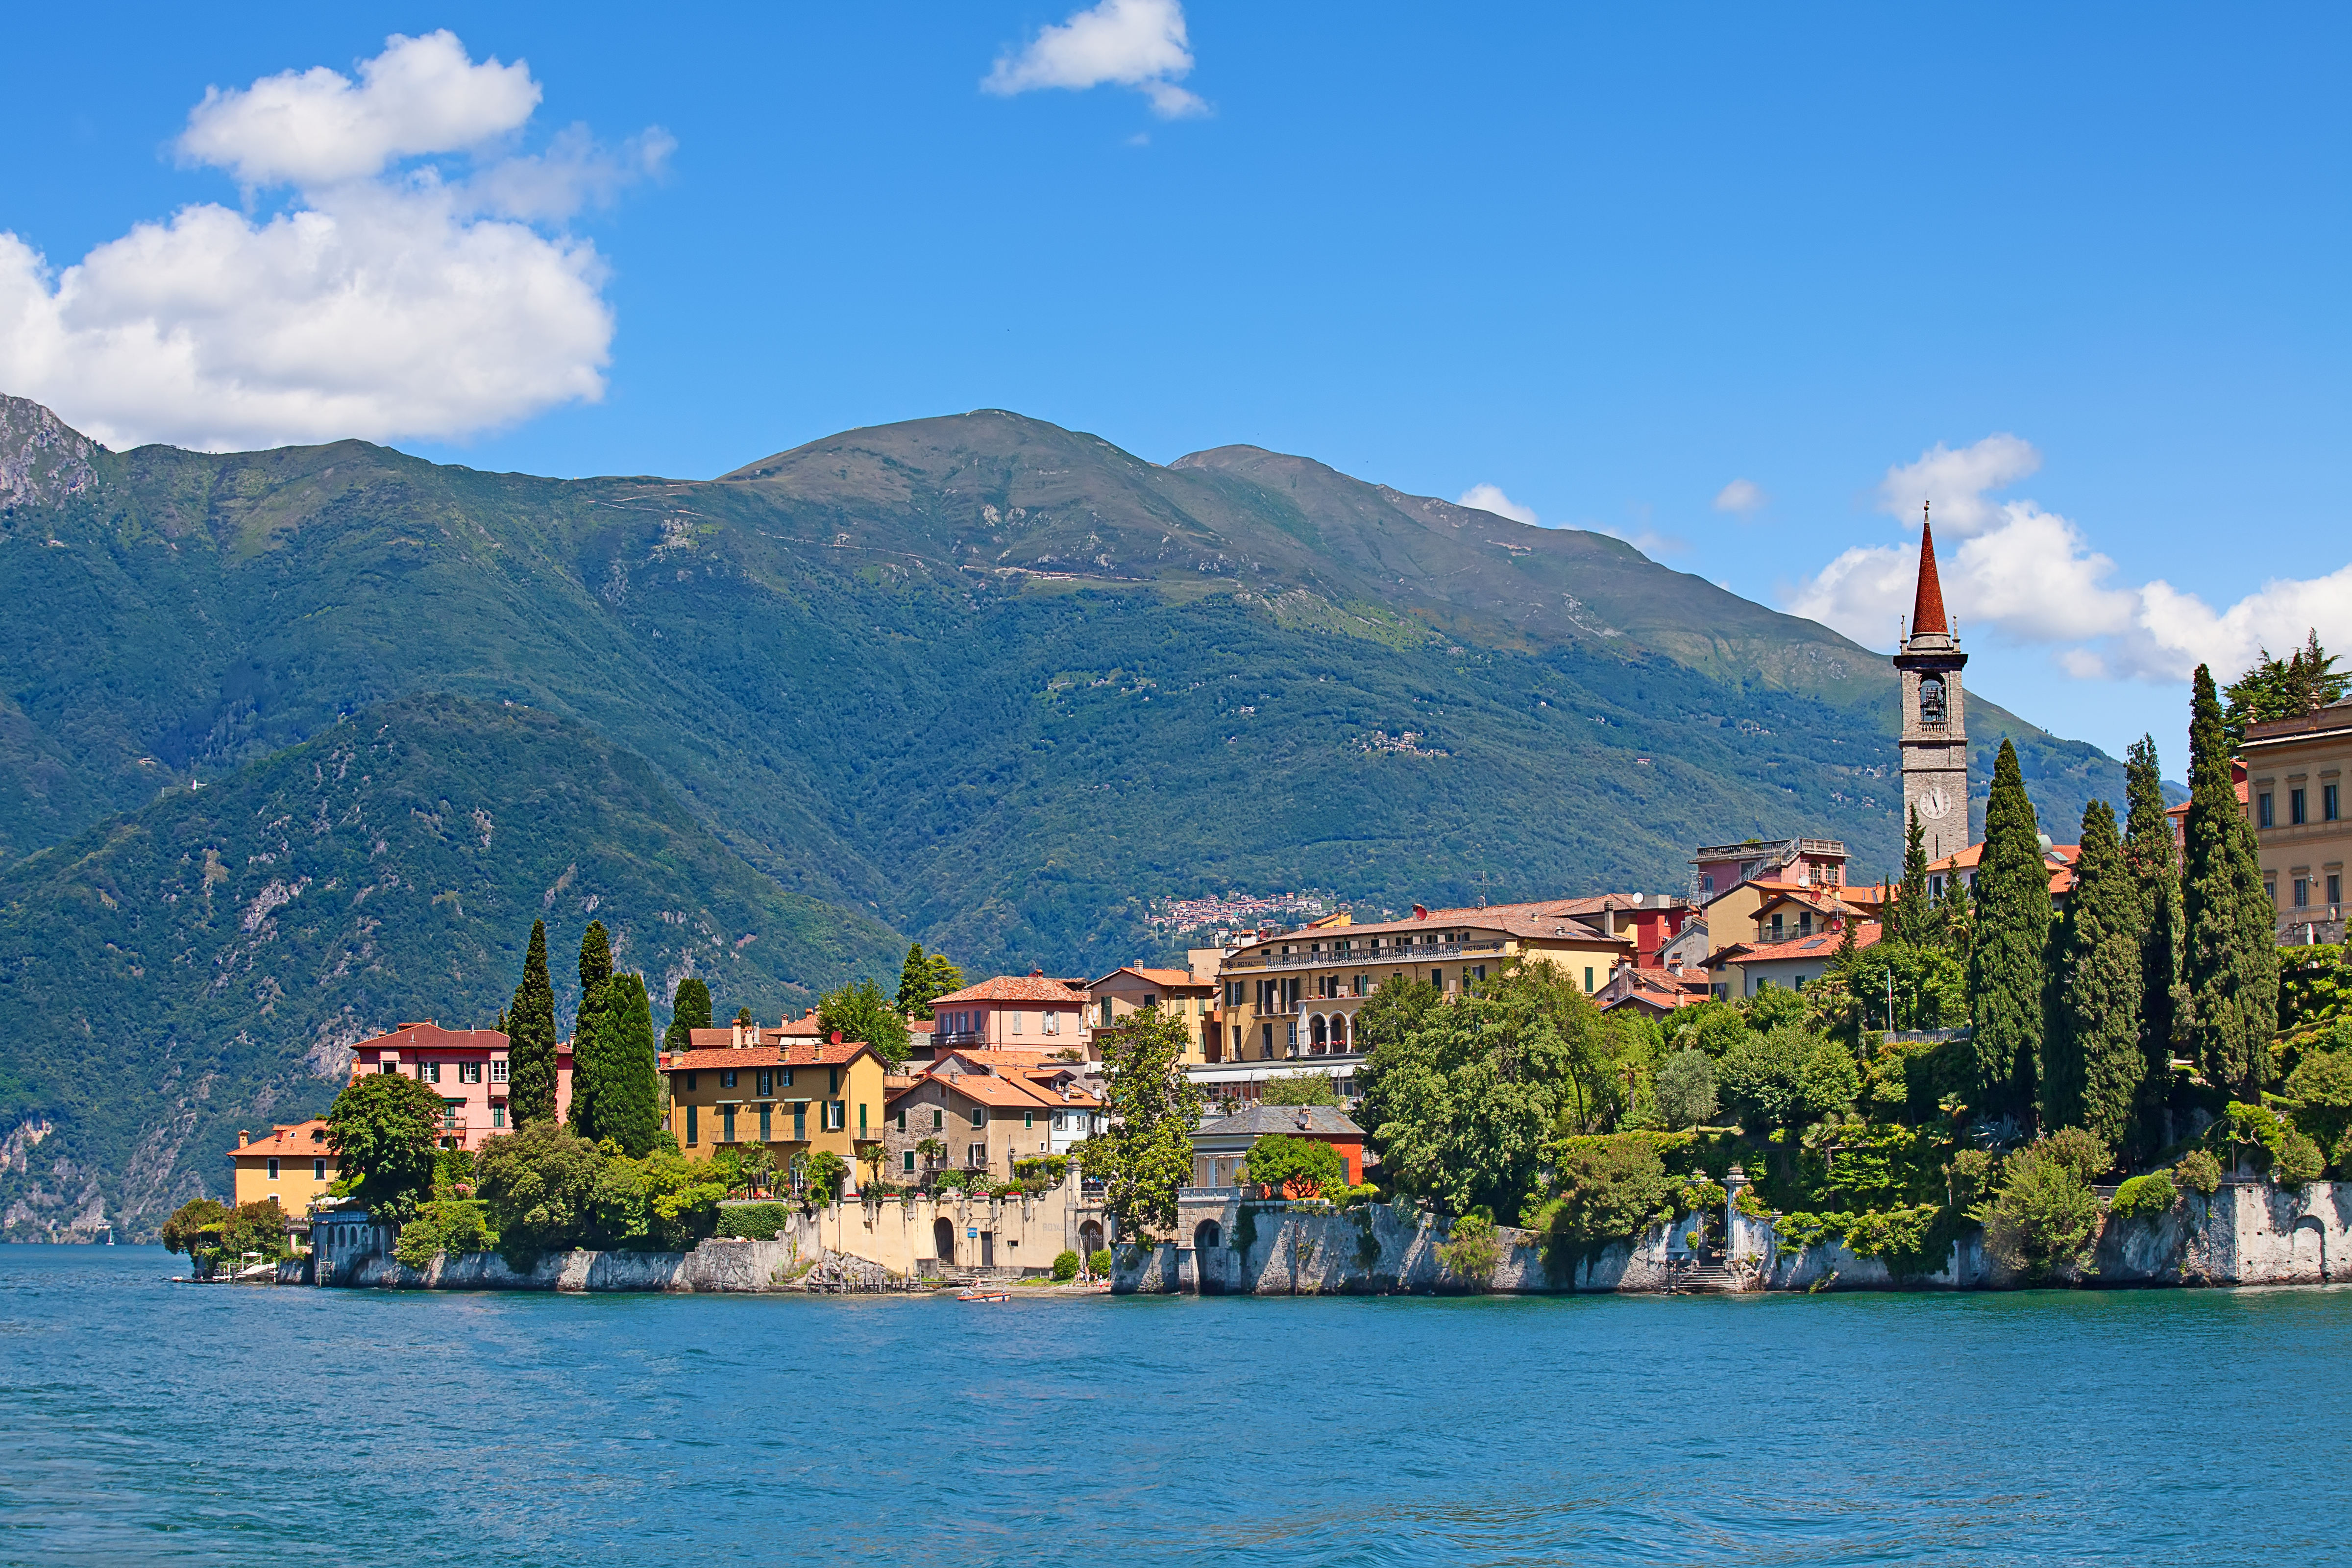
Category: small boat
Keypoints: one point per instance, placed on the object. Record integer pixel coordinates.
(983, 1295)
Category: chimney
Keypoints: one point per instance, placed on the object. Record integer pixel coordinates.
(1036, 974)
(243, 1137)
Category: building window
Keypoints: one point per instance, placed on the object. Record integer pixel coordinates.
(498, 1069)
(2334, 889)
(727, 1077)
(498, 1116)
(387, 1066)
(693, 1124)
(1805, 923)
(428, 1072)
(2270, 889)
(2262, 810)
(1016, 1022)
(1053, 1022)
(689, 1083)
(1931, 700)
(470, 1072)
(902, 1121)
(2295, 807)
(767, 1082)
(836, 1116)
(833, 1080)
(1437, 978)
(980, 1116)
(909, 1167)
(2327, 808)
(767, 1129)
(1028, 1119)
(318, 1170)
(1105, 1013)
(726, 1124)
(976, 1156)
(939, 1118)
(1588, 979)
(273, 1170)
(788, 1078)
(800, 1120)
(861, 1119)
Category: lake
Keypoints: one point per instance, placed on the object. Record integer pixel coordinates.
(141, 1420)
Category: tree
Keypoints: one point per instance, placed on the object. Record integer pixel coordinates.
(923, 979)
(628, 1099)
(184, 1232)
(1397, 1008)
(690, 1009)
(1929, 986)
(383, 1127)
(595, 959)
(1788, 1076)
(1685, 1088)
(823, 1176)
(2304, 682)
(1295, 1167)
(1300, 1089)
(1912, 920)
(2154, 863)
(2008, 962)
(539, 1186)
(530, 1039)
(1605, 1188)
(1154, 1110)
(2093, 1045)
(590, 1069)
(860, 1012)
(1463, 1106)
(2230, 954)
(2044, 1218)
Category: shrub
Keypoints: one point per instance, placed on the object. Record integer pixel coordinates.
(2299, 1163)
(452, 1226)
(2320, 1090)
(823, 1176)
(1300, 1089)
(2197, 1171)
(539, 1187)
(1295, 1167)
(2250, 1133)
(1972, 1172)
(1474, 1252)
(952, 1180)
(1787, 1078)
(1099, 1261)
(1892, 1234)
(1065, 1265)
(2080, 1152)
(184, 1232)
(2145, 1198)
(1042, 1171)
(1685, 1088)
(756, 1222)
(1605, 1188)
(2045, 1220)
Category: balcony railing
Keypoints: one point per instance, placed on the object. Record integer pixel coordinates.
(1367, 958)
(958, 1039)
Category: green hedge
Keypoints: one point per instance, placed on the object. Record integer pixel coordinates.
(756, 1222)
(2144, 1196)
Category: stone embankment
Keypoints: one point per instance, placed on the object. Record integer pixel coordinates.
(2248, 1232)
(717, 1265)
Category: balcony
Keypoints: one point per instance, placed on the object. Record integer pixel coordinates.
(959, 1040)
(1369, 958)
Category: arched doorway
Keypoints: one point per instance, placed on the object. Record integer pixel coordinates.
(1338, 1032)
(1207, 1236)
(943, 1241)
(1090, 1239)
(2308, 1257)
(1321, 1039)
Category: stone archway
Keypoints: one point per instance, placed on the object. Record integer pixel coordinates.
(2308, 1255)
(1207, 1236)
(1317, 1033)
(1090, 1237)
(943, 1241)
(1340, 1033)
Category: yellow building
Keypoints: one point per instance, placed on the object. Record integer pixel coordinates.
(2302, 819)
(1295, 997)
(1183, 993)
(292, 1165)
(746, 1086)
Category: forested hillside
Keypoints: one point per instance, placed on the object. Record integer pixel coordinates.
(979, 679)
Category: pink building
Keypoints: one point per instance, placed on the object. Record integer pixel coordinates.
(1011, 1013)
(467, 1067)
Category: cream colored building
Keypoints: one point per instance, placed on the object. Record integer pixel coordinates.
(1187, 995)
(2303, 820)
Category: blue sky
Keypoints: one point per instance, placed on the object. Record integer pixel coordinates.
(1607, 260)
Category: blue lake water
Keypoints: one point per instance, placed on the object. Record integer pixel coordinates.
(144, 1421)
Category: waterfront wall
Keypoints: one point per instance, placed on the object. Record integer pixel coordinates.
(2248, 1232)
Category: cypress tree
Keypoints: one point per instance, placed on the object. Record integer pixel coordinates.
(2155, 864)
(690, 1009)
(1912, 918)
(629, 1101)
(595, 960)
(2229, 952)
(590, 1069)
(530, 1039)
(912, 977)
(2009, 961)
(2094, 1046)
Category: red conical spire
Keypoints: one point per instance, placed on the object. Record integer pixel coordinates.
(1927, 609)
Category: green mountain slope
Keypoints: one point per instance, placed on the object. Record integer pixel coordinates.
(206, 963)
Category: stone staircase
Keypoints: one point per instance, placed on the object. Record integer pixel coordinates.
(1709, 1275)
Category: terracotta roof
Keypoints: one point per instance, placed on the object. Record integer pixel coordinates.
(1012, 988)
(778, 1054)
(2061, 858)
(1170, 978)
(997, 1060)
(1821, 944)
(1928, 608)
(923, 1027)
(430, 1036)
(1542, 921)
(993, 1092)
(304, 1140)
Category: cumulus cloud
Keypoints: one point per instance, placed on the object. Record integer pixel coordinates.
(2031, 577)
(387, 298)
(1139, 43)
(1741, 496)
(1490, 498)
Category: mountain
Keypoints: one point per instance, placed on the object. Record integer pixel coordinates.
(206, 963)
(978, 680)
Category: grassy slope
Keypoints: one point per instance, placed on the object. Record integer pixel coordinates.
(204, 964)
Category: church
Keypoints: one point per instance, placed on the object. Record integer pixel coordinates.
(1935, 742)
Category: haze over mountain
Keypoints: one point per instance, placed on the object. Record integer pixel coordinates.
(977, 680)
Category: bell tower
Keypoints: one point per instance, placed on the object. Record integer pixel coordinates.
(1935, 717)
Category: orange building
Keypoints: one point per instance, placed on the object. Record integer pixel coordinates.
(293, 1165)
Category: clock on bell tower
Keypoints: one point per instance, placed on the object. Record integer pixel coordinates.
(1935, 717)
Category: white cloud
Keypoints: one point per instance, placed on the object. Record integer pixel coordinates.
(2031, 577)
(1139, 43)
(1490, 498)
(385, 299)
(1741, 496)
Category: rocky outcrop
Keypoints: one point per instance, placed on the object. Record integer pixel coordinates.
(43, 461)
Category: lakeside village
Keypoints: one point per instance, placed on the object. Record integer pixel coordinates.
(2126, 1059)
